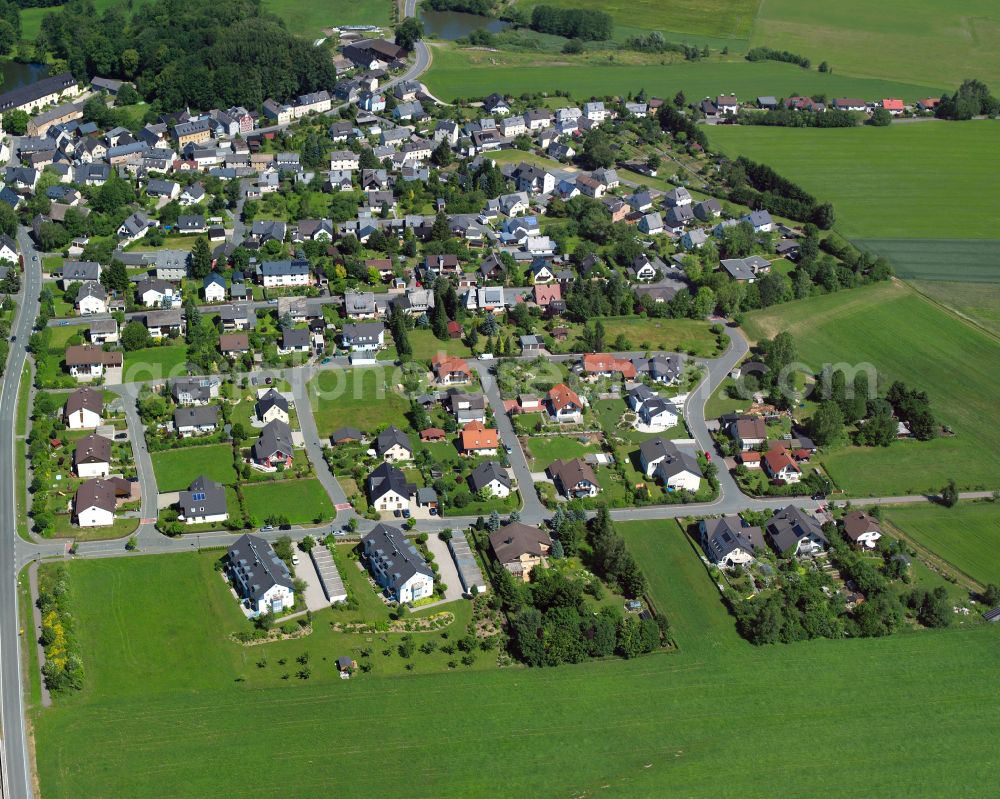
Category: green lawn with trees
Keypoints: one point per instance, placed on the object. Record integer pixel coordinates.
(967, 536)
(905, 337)
(303, 501)
(176, 468)
(887, 182)
(305, 18)
(638, 727)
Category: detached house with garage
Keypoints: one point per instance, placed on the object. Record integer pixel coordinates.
(95, 501)
(387, 489)
(663, 461)
(259, 576)
(92, 299)
(477, 439)
(780, 466)
(87, 362)
(748, 432)
(199, 420)
(396, 565)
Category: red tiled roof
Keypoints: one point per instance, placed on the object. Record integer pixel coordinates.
(561, 395)
(476, 435)
(597, 362)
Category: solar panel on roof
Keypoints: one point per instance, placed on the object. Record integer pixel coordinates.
(198, 496)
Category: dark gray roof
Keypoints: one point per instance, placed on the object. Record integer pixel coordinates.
(788, 526)
(203, 498)
(385, 478)
(722, 536)
(293, 338)
(296, 267)
(268, 401)
(398, 557)
(275, 437)
(486, 473)
(390, 436)
(199, 416)
(255, 560)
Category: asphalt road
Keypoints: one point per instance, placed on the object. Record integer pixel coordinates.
(15, 769)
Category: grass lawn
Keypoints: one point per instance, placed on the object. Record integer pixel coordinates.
(919, 40)
(888, 182)
(20, 450)
(356, 398)
(720, 402)
(426, 345)
(670, 335)
(966, 536)
(302, 501)
(468, 73)
(545, 449)
(64, 528)
(641, 727)
(928, 348)
(176, 468)
(308, 19)
(155, 363)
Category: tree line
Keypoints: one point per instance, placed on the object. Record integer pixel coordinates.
(762, 187)
(585, 24)
(770, 54)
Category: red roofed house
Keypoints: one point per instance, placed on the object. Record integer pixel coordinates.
(749, 459)
(449, 370)
(565, 404)
(600, 364)
(893, 105)
(780, 465)
(547, 294)
(477, 439)
(432, 434)
(454, 330)
(929, 103)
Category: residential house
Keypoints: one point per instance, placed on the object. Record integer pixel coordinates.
(477, 439)
(294, 339)
(708, 209)
(92, 456)
(574, 478)
(95, 501)
(861, 529)
(194, 390)
(760, 221)
(387, 489)
(361, 305)
(363, 340)
(92, 299)
(794, 532)
(236, 317)
(466, 407)
(135, 226)
(197, 421)
(601, 364)
(449, 370)
(749, 432)
(674, 469)
(83, 409)
(565, 404)
(729, 542)
(658, 412)
(519, 548)
(78, 272)
(234, 344)
(393, 445)
(678, 197)
(273, 447)
(203, 503)
(260, 577)
(86, 361)
(780, 466)
(285, 273)
(396, 565)
(651, 224)
(214, 287)
(271, 405)
(491, 479)
(162, 324)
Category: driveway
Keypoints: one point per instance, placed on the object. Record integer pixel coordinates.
(306, 570)
(446, 565)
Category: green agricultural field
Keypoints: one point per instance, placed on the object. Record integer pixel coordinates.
(657, 334)
(638, 728)
(966, 536)
(972, 260)
(308, 19)
(978, 302)
(476, 73)
(905, 337)
(176, 468)
(890, 182)
(924, 41)
(301, 501)
(728, 19)
(355, 398)
(155, 363)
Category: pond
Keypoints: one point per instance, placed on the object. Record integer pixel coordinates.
(451, 25)
(15, 74)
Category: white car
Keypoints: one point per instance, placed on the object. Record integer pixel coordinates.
(486, 356)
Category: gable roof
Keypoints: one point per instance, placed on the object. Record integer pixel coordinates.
(259, 566)
(85, 399)
(398, 557)
(572, 472)
(511, 542)
(204, 497)
(486, 473)
(790, 525)
(476, 435)
(857, 523)
(723, 536)
(385, 478)
(390, 437)
(276, 436)
(268, 400)
(561, 395)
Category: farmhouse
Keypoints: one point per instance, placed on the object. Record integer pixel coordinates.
(203, 503)
(520, 547)
(260, 577)
(396, 565)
